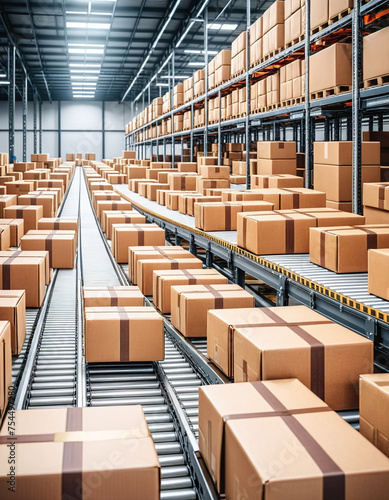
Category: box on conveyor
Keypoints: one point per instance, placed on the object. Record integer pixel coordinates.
(376, 203)
(132, 235)
(111, 205)
(7, 200)
(122, 337)
(186, 203)
(163, 280)
(30, 214)
(103, 196)
(190, 303)
(100, 186)
(215, 171)
(118, 217)
(152, 190)
(16, 227)
(187, 167)
(27, 254)
(51, 183)
(136, 253)
(116, 178)
(185, 181)
(222, 216)
(13, 309)
(61, 245)
(24, 273)
(291, 227)
(112, 296)
(55, 223)
(203, 184)
(374, 408)
(5, 372)
(19, 187)
(36, 175)
(47, 201)
(82, 450)
(5, 237)
(378, 268)
(345, 249)
(276, 181)
(60, 175)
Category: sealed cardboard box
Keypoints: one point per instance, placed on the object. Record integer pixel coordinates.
(215, 172)
(19, 187)
(373, 409)
(6, 369)
(311, 353)
(163, 280)
(276, 181)
(152, 252)
(124, 337)
(111, 205)
(112, 296)
(237, 195)
(146, 267)
(373, 44)
(13, 309)
(376, 216)
(344, 206)
(187, 167)
(36, 253)
(203, 184)
(223, 402)
(51, 184)
(30, 214)
(119, 452)
(7, 200)
(44, 200)
(102, 196)
(345, 249)
(378, 267)
(16, 227)
(60, 244)
(63, 223)
(120, 217)
(376, 195)
(331, 67)
(132, 235)
(222, 323)
(274, 150)
(251, 442)
(5, 237)
(24, 273)
(182, 182)
(100, 186)
(319, 13)
(222, 216)
(340, 152)
(190, 303)
(276, 166)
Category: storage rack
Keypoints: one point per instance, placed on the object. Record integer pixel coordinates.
(353, 105)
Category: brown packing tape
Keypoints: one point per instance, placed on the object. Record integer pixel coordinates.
(228, 217)
(381, 197)
(141, 235)
(49, 246)
(6, 271)
(124, 337)
(72, 457)
(114, 296)
(266, 182)
(218, 296)
(279, 413)
(323, 249)
(182, 181)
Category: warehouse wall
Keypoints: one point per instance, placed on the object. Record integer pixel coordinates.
(81, 125)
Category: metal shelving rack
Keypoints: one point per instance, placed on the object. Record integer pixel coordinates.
(302, 117)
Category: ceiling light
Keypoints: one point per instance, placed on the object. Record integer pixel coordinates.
(162, 85)
(83, 96)
(181, 77)
(193, 51)
(86, 51)
(4, 82)
(76, 77)
(95, 26)
(84, 71)
(74, 65)
(71, 12)
(197, 64)
(3, 75)
(86, 45)
(89, 84)
(223, 27)
(83, 92)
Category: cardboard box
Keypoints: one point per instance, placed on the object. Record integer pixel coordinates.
(373, 44)
(343, 206)
(16, 227)
(221, 403)
(319, 13)
(19, 187)
(187, 167)
(376, 216)
(28, 254)
(103, 196)
(13, 309)
(182, 182)
(273, 15)
(378, 266)
(24, 273)
(190, 303)
(311, 353)
(123, 337)
(222, 216)
(121, 217)
(152, 252)
(221, 326)
(146, 267)
(215, 172)
(252, 442)
(119, 452)
(376, 195)
(340, 152)
(61, 245)
(7, 201)
(51, 184)
(163, 280)
(112, 296)
(338, 6)
(276, 181)
(373, 409)
(45, 200)
(133, 235)
(5, 237)
(203, 184)
(62, 223)
(29, 213)
(111, 205)
(6, 370)
(276, 150)
(345, 249)
(331, 67)
(279, 166)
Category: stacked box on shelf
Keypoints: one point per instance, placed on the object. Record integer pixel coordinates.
(292, 81)
(272, 91)
(276, 157)
(211, 74)
(333, 168)
(256, 42)
(376, 203)
(222, 67)
(178, 95)
(276, 181)
(188, 89)
(376, 69)
(383, 139)
(199, 82)
(166, 103)
(273, 29)
(238, 55)
(294, 21)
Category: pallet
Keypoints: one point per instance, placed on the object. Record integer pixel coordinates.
(292, 102)
(238, 73)
(341, 15)
(375, 82)
(258, 110)
(294, 41)
(255, 63)
(340, 89)
(272, 54)
(273, 106)
(321, 27)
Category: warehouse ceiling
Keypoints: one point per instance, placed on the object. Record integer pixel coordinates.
(97, 48)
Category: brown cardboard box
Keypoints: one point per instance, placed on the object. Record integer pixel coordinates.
(16, 227)
(203, 184)
(273, 150)
(344, 206)
(103, 196)
(222, 216)
(172, 199)
(345, 249)
(60, 244)
(7, 201)
(163, 280)
(330, 67)
(51, 184)
(45, 200)
(64, 176)
(273, 15)
(36, 175)
(100, 186)
(222, 323)
(376, 195)
(215, 172)
(237, 195)
(190, 303)
(146, 267)
(187, 167)
(132, 235)
(111, 205)
(19, 187)
(121, 217)
(299, 351)
(373, 409)
(13, 309)
(5, 237)
(6, 370)
(338, 6)
(23, 166)
(319, 13)
(131, 155)
(28, 254)
(373, 44)
(24, 273)
(378, 266)
(276, 181)
(278, 166)
(151, 190)
(29, 213)
(112, 296)
(123, 337)
(182, 182)
(63, 223)
(223, 402)
(251, 442)
(340, 152)
(118, 455)
(376, 216)
(152, 252)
